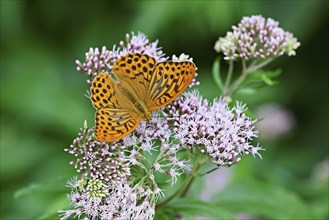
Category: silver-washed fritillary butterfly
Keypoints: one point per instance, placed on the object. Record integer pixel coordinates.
(142, 86)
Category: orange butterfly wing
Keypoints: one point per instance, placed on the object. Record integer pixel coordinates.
(168, 80)
(156, 84)
(114, 124)
(135, 70)
(114, 118)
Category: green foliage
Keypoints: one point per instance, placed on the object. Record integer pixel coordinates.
(216, 74)
(257, 80)
(51, 186)
(42, 103)
(263, 199)
(51, 211)
(189, 208)
(263, 76)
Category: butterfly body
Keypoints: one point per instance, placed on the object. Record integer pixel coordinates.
(132, 98)
(142, 86)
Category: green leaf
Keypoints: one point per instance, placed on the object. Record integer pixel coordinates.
(268, 80)
(264, 76)
(257, 80)
(262, 199)
(190, 207)
(54, 185)
(51, 212)
(216, 74)
(197, 188)
(274, 73)
(246, 91)
(250, 114)
(164, 213)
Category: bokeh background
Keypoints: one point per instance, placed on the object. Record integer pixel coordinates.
(43, 106)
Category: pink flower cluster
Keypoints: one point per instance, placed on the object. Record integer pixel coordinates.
(221, 132)
(256, 37)
(100, 160)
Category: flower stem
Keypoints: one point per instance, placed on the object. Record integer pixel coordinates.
(177, 193)
(182, 191)
(189, 182)
(237, 82)
(245, 72)
(229, 77)
(209, 171)
(253, 68)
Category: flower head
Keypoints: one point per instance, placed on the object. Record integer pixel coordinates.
(118, 201)
(221, 132)
(94, 159)
(98, 61)
(256, 37)
(138, 44)
(155, 136)
(94, 188)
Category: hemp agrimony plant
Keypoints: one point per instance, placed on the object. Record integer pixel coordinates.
(141, 175)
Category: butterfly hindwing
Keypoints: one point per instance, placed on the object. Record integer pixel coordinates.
(135, 70)
(168, 81)
(114, 124)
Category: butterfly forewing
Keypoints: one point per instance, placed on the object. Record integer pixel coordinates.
(103, 92)
(135, 70)
(168, 81)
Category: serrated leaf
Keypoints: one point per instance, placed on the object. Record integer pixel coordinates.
(216, 74)
(262, 199)
(190, 207)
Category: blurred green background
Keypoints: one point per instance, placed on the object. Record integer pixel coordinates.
(43, 106)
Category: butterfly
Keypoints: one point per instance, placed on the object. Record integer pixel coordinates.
(143, 85)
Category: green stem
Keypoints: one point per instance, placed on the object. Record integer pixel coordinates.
(245, 72)
(186, 186)
(229, 77)
(253, 68)
(189, 182)
(209, 171)
(237, 82)
(178, 192)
